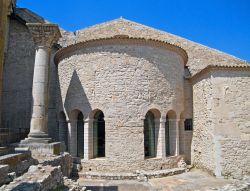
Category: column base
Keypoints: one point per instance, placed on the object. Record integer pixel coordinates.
(42, 148)
(32, 140)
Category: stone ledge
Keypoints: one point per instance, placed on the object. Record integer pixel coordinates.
(54, 148)
(138, 175)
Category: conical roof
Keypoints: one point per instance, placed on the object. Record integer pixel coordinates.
(199, 56)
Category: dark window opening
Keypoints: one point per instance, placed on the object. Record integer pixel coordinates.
(149, 135)
(188, 125)
(167, 141)
(99, 135)
(80, 135)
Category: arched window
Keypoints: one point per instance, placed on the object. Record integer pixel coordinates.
(80, 135)
(149, 135)
(99, 135)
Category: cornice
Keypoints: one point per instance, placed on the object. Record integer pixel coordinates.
(119, 39)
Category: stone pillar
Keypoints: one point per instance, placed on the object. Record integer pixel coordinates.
(88, 139)
(161, 146)
(44, 35)
(177, 145)
(72, 129)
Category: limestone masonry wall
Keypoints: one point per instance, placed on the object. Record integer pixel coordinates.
(124, 81)
(221, 140)
(231, 108)
(17, 83)
(202, 152)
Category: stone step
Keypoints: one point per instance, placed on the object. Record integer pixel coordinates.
(138, 175)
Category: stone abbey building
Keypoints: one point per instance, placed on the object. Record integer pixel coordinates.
(123, 96)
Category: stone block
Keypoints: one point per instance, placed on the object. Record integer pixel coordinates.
(4, 169)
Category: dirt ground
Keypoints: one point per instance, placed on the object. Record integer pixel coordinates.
(195, 180)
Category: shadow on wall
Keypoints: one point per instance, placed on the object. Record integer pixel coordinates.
(76, 97)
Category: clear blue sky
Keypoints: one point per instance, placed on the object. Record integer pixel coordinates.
(220, 24)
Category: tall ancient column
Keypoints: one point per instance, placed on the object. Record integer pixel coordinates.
(44, 35)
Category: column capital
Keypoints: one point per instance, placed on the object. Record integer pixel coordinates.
(162, 120)
(44, 34)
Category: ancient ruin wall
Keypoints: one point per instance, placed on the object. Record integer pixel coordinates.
(124, 81)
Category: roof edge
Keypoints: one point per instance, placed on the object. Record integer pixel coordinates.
(62, 53)
(220, 67)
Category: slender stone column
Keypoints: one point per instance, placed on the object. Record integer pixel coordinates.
(72, 128)
(177, 145)
(88, 139)
(44, 35)
(161, 146)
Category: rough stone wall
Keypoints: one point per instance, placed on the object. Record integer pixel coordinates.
(38, 178)
(202, 153)
(231, 108)
(18, 75)
(221, 141)
(102, 165)
(124, 81)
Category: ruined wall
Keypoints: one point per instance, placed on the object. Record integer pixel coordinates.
(221, 142)
(124, 81)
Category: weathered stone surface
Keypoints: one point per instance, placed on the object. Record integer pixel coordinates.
(70, 185)
(64, 160)
(38, 178)
(4, 169)
(138, 175)
(243, 185)
(123, 77)
(221, 142)
(19, 162)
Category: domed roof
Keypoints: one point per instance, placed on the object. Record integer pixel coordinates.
(199, 56)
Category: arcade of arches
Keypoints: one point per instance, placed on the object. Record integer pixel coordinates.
(85, 138)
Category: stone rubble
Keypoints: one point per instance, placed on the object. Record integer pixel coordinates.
(4, 169)
(38, 178)
(65, 161)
